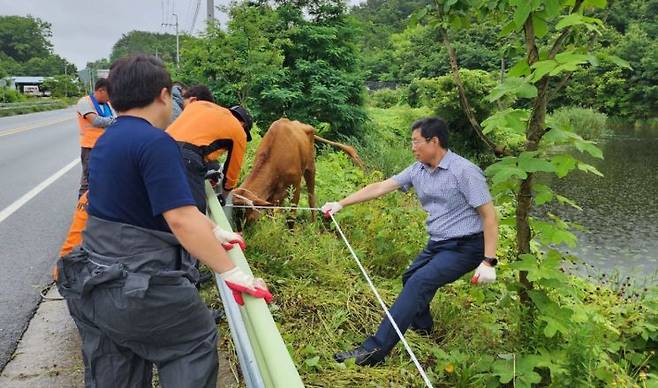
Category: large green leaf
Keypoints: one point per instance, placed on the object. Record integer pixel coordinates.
(595, 3)
(520, 68)
(529, 163)
(541, 68)
(506, 173)
(589, 168)
(521, 13)
(575, 19)
(539, 25)
(589, 147)
(543, 194)
(552, 8)
(513, 86)
(508, 120)
(567, 201)
(572, 57)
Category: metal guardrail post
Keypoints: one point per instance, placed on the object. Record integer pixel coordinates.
(274, 362)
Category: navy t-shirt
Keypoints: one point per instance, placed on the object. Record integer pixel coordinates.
(136, 173)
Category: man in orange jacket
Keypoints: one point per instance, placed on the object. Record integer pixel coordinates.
(94, 114)
(205, 131)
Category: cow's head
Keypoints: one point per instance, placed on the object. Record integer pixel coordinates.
(244, 197)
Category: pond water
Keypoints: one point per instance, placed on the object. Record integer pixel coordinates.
(620, 210)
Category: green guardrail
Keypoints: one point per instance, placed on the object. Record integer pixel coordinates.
(275, 364)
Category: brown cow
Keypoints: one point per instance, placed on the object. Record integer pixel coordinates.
(286, 153)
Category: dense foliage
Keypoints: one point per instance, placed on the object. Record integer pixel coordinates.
(25, 48)
(294, 58)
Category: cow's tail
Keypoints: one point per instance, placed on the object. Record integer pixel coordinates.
(349, 150)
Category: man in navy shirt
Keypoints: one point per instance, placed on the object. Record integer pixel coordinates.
(462, 227)
(130, 288)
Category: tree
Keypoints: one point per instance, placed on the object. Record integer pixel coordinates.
(554, 48)
(22, 38)
(62, 86)
(238, 63)
(324, 84)
(142, 42)
(102, 63)
(280, 63)
(49, 65)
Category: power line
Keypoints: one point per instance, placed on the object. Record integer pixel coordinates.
(196, 13)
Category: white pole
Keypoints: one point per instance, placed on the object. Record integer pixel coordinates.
(177, 42)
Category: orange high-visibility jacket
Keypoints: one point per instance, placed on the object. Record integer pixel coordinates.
(74, 237)
(215, 130)
(88, 133)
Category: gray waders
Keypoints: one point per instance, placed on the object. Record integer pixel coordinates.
(131, 293)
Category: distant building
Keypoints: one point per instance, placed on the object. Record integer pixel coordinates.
(24, 84)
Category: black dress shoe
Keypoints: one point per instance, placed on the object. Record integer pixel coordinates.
(421, 331)
(362, 356)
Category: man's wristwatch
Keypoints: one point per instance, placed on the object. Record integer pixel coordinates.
(492, 261)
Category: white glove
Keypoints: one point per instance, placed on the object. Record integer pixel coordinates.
(331, 208)
(484, 274)
(238, 281)
(229, 238)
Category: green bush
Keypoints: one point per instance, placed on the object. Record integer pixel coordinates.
(385, 98)
(440, 94)
(10, 95)
(586, 122)
(385, 146)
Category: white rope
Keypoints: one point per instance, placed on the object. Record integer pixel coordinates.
(365, 274)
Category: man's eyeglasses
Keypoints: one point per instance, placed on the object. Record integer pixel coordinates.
(416, 142)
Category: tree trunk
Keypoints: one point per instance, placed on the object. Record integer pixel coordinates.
(463, 100)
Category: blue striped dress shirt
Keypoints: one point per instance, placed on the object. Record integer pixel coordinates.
(449, 194)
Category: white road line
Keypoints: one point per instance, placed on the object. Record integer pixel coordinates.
(9, 210)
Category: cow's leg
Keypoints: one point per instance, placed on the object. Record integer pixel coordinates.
(292, 216)
(309, 178)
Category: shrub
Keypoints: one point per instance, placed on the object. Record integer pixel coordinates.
(385, 146)
(440, 94)
(586, 122)
(10, 95)
(385, 98)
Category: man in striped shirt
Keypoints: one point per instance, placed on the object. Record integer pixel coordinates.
(462, 227)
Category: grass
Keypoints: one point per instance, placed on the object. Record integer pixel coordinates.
(25, 107)
(323, 305)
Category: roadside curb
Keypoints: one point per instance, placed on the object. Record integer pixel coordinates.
(48, 354)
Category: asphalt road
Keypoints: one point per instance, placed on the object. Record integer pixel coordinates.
(39, 180)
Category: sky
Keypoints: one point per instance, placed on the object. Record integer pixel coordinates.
(84, 30)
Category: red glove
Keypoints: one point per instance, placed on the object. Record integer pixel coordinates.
(229, 238)
(239, 282)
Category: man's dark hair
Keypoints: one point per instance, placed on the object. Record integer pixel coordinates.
(432, 127)
(135, 81)
(201, 92)
(102, 83)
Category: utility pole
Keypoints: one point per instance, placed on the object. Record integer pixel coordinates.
(210, 12)
(177, 39)
(66, 84)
